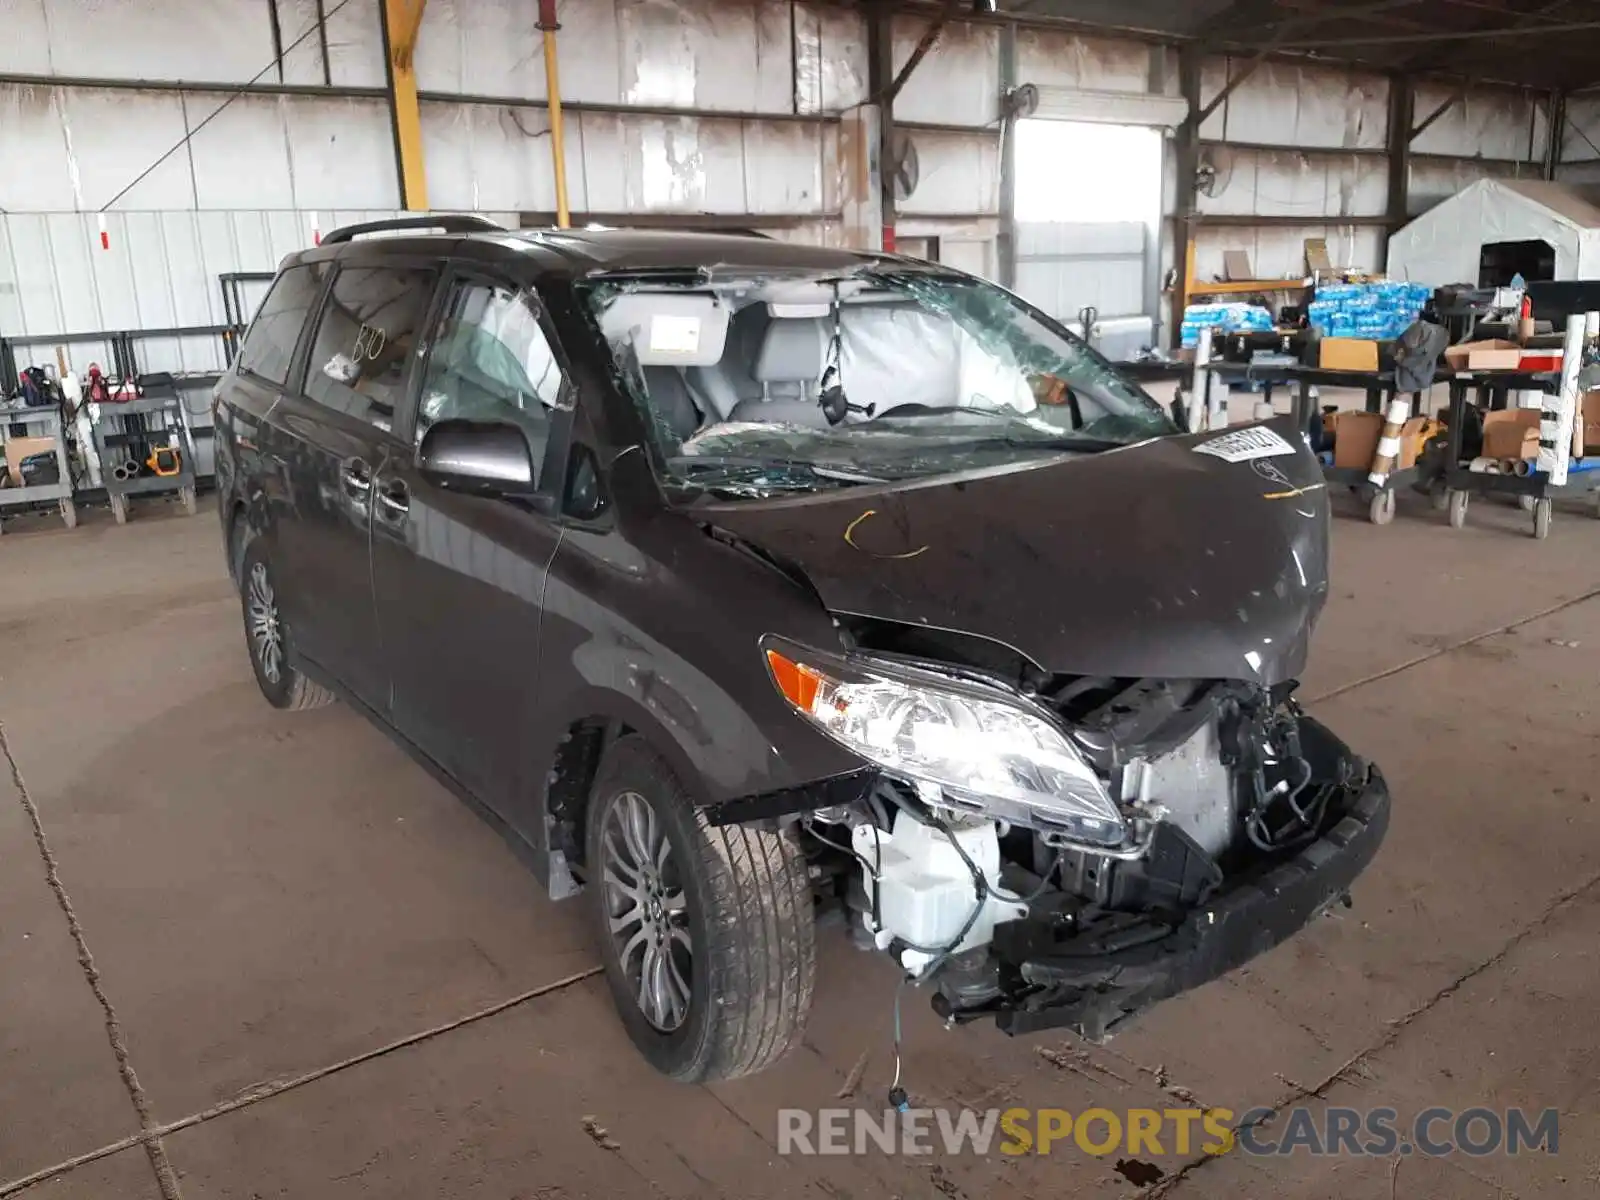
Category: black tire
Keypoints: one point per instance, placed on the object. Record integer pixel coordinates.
(1541, 518)
(748, 913)
(280, 682)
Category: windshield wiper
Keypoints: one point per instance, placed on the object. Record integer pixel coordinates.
(1035, 436)
(737, 464)
(1065, 441)
(917, 412)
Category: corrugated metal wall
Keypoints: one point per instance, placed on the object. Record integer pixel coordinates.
(1333, 116)
(725, 107)
(677, 106)
(1337, 119)
(1580, 147)
(773, 156)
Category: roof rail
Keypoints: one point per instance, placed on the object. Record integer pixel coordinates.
(643, 225)
(448, 222)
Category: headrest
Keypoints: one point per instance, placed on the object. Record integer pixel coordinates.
(670, 329)
(793, 351)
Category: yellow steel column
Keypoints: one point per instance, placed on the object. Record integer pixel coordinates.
(402, 19)
(552, 85)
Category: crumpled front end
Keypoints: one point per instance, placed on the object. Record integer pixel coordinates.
(1241, 818)
(1091, 959)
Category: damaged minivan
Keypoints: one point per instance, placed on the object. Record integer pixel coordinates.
(754, 589)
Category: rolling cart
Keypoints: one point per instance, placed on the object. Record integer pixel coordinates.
(1534, 490)
(129, 433)
(1302, 383)
(1379, 388)
(40, 423)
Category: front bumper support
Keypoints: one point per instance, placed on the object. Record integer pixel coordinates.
(1094, 984)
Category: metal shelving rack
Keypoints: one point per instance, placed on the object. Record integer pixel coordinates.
(122, 363)
(236, 308)
(1380, 389)
(40, 422)
(110, 423)
(1534, 490)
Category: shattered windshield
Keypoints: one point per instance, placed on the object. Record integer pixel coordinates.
(757, 384)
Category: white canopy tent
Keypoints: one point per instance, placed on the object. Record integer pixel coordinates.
(1445, 244)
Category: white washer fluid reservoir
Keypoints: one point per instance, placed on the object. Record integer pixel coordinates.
(925, 890)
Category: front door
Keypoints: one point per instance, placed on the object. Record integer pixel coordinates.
(331, 438)
(459, 579)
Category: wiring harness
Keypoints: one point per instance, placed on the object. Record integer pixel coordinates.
(941, 954)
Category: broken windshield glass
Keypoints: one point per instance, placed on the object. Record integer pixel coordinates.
(836, 381)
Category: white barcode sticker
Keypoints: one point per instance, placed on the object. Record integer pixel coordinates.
(1242, 445)
(671, 333)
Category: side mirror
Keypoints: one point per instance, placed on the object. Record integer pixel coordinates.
(489, 458)
(585, 497)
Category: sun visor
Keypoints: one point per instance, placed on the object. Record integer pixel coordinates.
(673, 329)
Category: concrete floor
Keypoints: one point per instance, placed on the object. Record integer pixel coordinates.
(305, 970)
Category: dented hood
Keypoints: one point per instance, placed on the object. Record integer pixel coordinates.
(1203, 556)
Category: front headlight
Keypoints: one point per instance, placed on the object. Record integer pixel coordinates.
(985, 753)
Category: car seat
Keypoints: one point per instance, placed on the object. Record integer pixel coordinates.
(789, 369)
(718, 387)
(670, 400)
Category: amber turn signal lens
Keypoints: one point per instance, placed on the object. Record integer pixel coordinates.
(797, 682)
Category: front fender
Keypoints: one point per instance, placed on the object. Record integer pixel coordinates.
(720, 750)
(652, 709)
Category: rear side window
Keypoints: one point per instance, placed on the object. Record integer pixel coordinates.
(364, 343)
(269, 346)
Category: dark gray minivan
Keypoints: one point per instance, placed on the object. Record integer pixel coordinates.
(747, 586)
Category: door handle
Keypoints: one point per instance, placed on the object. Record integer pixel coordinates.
(395, 497)
(356, 474)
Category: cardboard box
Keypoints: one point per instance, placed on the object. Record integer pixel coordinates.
(1347, 354)
(1491, 354)
(20, 448)
(1511, 433)
(1414, 434)
(1590, 427)
(1356, 437)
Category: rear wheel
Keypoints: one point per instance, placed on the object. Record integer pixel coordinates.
(707, 932)
(268, 638)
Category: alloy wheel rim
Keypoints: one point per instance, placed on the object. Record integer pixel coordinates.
(647, 911)
(266, 631)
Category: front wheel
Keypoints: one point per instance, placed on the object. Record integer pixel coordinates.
(267, 637)
(706, 932)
